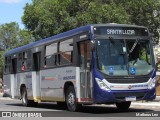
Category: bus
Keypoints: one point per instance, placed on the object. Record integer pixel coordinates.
(92, 64)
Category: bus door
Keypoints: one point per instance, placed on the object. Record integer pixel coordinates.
(14, 78)
(36, 75)
(85, 76)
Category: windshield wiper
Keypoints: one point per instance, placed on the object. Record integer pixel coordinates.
(133, 47)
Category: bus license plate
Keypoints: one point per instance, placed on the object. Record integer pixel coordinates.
(130, 98)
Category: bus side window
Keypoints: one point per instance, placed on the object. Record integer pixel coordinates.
(50, 55)
(84, 51)
(7, 65)
(88, 54)
(81, 55)
(19, 62)
(66, 52)
(24, 62)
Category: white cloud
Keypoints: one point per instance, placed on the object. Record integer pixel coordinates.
(10, 1)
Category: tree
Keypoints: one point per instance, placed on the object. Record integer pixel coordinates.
(49, 17)
(24, 37)
(1, 63)
(145, 13)
(11, 36)
(8, 35)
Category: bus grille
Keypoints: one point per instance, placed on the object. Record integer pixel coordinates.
(127, 80)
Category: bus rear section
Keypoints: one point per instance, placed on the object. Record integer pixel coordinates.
(10, 77)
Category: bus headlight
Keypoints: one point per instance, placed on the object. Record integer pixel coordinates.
(101, 84)
(152, 83)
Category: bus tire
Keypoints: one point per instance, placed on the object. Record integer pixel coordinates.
(123, 105)
(61, 104)
(25, 101)
(71, 101)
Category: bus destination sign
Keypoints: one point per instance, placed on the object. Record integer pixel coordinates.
(131, 31)
(120, 32)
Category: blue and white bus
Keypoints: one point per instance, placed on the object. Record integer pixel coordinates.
(93, 64)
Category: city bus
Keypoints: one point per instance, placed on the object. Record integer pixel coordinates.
(92, 64)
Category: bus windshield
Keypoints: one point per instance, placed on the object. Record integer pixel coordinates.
(123, 56)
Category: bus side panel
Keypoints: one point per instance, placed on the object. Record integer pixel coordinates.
(10, 83)
(7, 84)
(25, 78)
(14, 89)
(35, 92)
(53, 81)
(78, 83)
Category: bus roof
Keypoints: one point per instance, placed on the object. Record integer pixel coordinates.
(64, 35)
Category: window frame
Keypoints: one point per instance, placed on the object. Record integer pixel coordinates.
(54, 54)
(7, 66)
(60, 63)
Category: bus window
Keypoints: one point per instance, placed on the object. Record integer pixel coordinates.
(82, 55)
(50, 55)
(51, 49)
(88, 54)
(85, 54)
(24, 61)
(14, 65)
(19, 62)
(7, 64)
(29, 60)
(66, 52)
(37, 61)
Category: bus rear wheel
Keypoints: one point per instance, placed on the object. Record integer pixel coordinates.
(123, 105)
(61, 104)
(71, 102)
(25, 101)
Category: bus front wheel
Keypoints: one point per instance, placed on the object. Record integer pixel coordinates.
(25, 101)
(123, 105)
(71, 102)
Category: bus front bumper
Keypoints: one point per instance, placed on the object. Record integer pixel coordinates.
(116, 96)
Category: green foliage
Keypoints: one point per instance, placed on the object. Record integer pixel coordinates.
(101, 13)
(145, 13)
(24, 37)
(49, 17)
(8, 34)
(11, 36)
(1, 63)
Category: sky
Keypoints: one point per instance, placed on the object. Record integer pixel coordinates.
(12, 11)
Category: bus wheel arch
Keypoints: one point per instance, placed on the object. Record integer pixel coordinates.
(66, 86)
(24, 97)
(21, 89)
(70, 97)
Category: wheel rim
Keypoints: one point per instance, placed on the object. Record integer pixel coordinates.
(71, 101)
